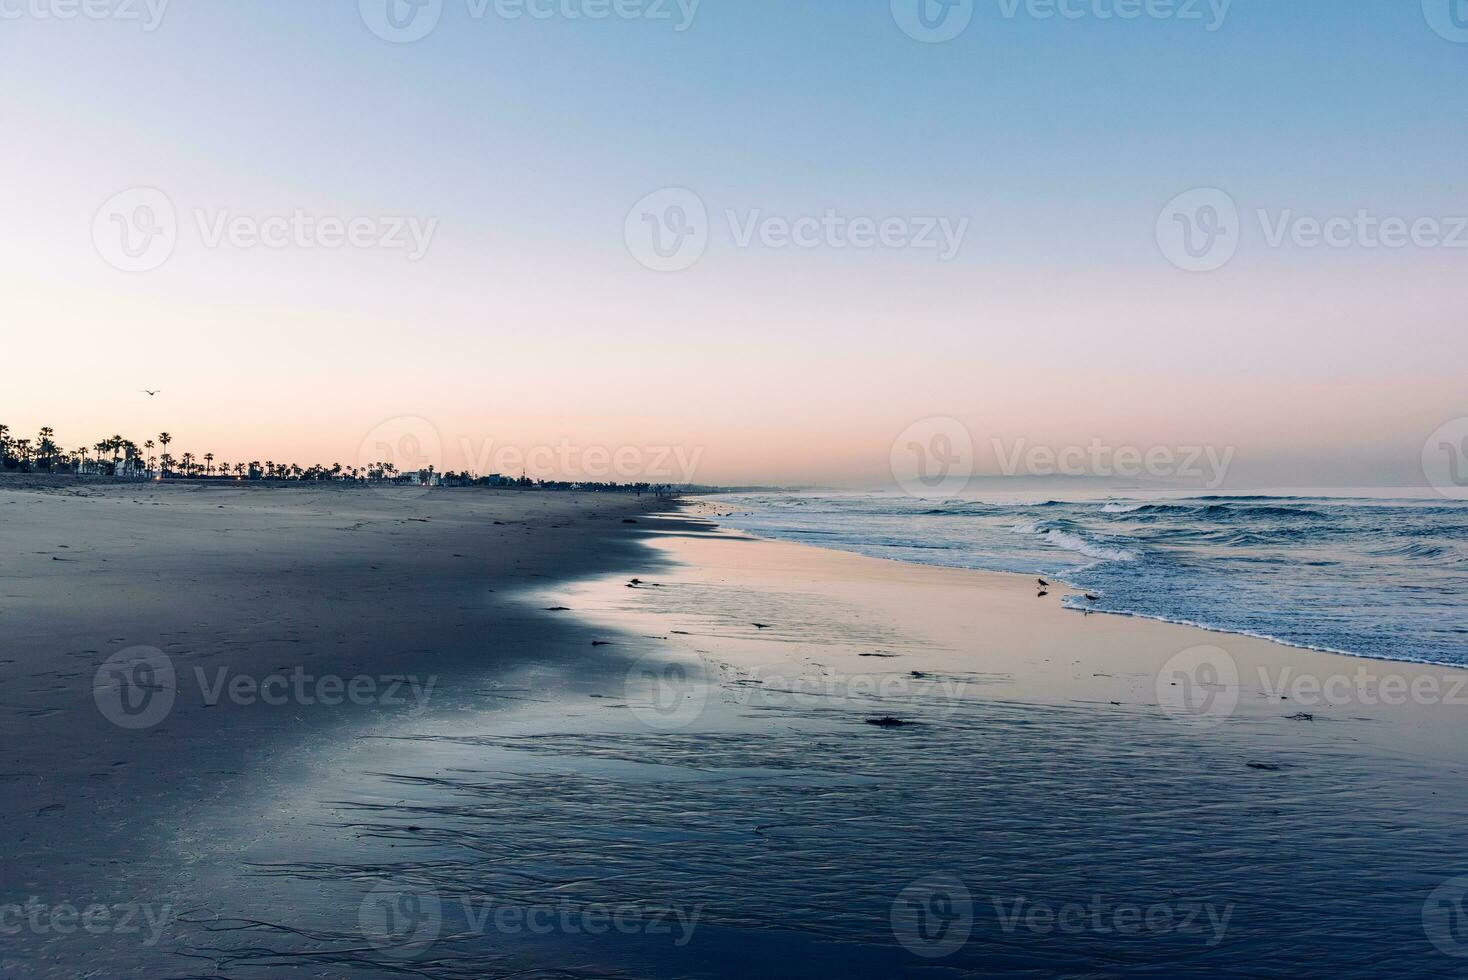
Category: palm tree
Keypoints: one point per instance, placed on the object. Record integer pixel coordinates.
(163, 440)
(188, 464)
(151, 458)
(208, 464)
(46, 448)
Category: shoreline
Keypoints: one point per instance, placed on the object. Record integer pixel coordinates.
(1060, 579)
(647, 723)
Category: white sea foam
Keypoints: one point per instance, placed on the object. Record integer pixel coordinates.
(1074, 542)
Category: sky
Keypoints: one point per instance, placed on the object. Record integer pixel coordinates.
(739, 242)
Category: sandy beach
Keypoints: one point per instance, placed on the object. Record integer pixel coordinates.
(590, 740)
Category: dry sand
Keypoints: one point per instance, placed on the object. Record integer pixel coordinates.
(678, 777)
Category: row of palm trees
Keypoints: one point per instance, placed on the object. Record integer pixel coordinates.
(116, 456)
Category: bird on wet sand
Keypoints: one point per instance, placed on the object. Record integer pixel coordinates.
(1043, 584)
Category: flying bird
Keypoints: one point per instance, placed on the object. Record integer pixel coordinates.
(150, 394)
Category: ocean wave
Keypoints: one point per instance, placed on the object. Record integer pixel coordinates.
(1376, 577)
(1070, 540)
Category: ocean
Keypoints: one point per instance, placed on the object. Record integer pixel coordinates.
(1381, 575)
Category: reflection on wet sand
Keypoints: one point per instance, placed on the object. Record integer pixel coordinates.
(728, 805)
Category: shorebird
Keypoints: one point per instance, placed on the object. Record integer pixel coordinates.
(1043, 584)
(1091, 597)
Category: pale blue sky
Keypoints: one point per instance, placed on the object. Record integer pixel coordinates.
(1059, 140)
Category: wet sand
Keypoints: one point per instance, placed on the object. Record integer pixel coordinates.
(269, 603)
(680, 777)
